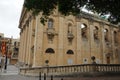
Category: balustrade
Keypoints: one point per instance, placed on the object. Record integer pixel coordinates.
(73, 69)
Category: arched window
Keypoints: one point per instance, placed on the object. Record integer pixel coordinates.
(96, 33)
(106, 35)
(49, 50)
(70, 52)
(50, 23)
(84, 30)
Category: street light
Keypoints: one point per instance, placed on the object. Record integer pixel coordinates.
(6, 57)
(6, 54)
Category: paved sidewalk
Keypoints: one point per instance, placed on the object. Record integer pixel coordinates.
(11, 70)
(17, 77)
(20, 77)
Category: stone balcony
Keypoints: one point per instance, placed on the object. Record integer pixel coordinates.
(50, 33)
(70, 36)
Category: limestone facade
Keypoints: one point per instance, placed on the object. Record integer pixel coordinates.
(67, 40)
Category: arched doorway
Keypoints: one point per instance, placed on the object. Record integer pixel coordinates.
(108, 58)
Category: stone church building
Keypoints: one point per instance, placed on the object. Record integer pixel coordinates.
(67, 40)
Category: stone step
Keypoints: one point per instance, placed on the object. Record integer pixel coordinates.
(12, 71)
(9, 73)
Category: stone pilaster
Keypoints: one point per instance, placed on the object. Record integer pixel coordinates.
(20, 48)
(60, 59)
(23, 45)
(91, 39)
(78, 50)
(30, 43)
(38, 45)
(101, 35)
(27, 44)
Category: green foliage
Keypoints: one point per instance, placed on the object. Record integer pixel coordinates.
(44, 6)
(67, 7)
(103, 7)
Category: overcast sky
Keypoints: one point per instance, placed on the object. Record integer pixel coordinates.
(10, 11)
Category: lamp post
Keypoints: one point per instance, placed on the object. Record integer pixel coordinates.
(6, 54)
(6, 58)
(5, 67)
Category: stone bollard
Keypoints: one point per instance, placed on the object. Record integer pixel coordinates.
(44, 76)
(40, 76)
(51, 77)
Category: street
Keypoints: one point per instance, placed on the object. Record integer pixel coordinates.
(12, 73)
(19, 77)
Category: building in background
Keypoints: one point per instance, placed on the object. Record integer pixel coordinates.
(1, 35)
(15, 49)
(9, 47)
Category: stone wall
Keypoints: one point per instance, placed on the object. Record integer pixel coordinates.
(67, 40)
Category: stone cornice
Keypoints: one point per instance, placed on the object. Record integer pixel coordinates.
(22, 16)
(94, 18)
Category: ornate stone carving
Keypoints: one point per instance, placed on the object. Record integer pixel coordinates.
(109, 54)
(51, 33)
(70, 36)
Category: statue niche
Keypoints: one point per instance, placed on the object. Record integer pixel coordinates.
(50, 30)
(70, 35)
(96, 33)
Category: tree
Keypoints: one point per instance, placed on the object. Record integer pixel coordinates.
(73, 7)
(103, 7)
